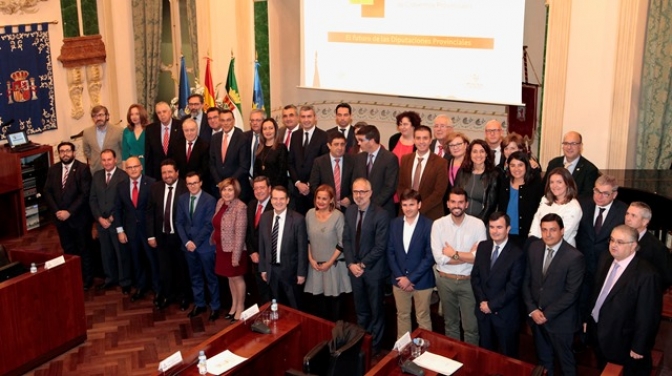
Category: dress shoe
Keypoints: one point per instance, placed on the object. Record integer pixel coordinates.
(104, 286)
(229, 316)
(126, 290)
(139, 294)
(184, 305)
(234, 320)
(196, 311)
(214, 315)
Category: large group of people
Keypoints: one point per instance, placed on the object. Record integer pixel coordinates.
(181, 205)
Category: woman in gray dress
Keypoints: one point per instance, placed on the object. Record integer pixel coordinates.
(327, 276)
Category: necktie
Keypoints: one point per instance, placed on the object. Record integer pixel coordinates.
(599, 221)
(567, 164)
(225, 145)
(603, 294)
(416, 175)
(305, 139)
(166, 139)
(134, 194)
(549, 257)
(358, 233)
(166, 211)
(254, 148)
(257, 215)
(288, 138)
(369, 165)
(494, 256)
(440, 150)
(343, 131)
(65, 176)
(192, 199)
(107, 180)
(189, 150)
(337, 179)
(274, 240)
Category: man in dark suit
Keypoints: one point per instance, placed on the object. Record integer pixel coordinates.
(493, 136)
(443, 126)
(650, 249)
(583, 171)
(66, 192)
(158, 138)
(343, 125)
(116, 259)
(130, 222)
(626, 305)
(196, 113)
(379, 166)
(290, 123)
(307, 145)
(191, 153)
(551, 289)
(230, 155)
(257, 117)
(328, 165)
(258, 206)
(214, 125)
(283, 249)
(409, 254)
(601, 214)
(365, 236)
(162, 236)
(194, 226)
(426, 173)
(497, 278)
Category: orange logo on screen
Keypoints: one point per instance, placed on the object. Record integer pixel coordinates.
(371, 8)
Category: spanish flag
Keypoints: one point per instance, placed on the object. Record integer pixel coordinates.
(209, 91)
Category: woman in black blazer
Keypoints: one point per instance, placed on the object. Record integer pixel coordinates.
(271, 159)
(479, 177)
(518, 195)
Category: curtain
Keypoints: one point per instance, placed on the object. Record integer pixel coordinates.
(147, 15)
(193, 35)
(654, 123)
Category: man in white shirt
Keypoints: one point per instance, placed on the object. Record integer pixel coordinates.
(443, 126)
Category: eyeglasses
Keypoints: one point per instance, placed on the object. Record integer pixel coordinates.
(571, 144)
(603, 194)
(455, 145)
(443, 127)
(193, 104)
(361, 192)
(65, 151)
(619, 242)
(133, 167)
(492, 130)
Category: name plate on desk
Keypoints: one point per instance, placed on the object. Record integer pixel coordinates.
(249, 312)
(402, 342)
(170, 361)
(60, 260)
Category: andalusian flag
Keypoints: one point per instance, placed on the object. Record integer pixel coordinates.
(209, 90)
(258, 94)
(232, 96)
(183, 89)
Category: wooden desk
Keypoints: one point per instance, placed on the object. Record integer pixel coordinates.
(477, 361)
(41, 315)
(293, 335)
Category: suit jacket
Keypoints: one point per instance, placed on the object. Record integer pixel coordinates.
(293, 250)
(657, 254)
(154, 154)
(630, 314)
(350, 141)
(155, 206)
(133, 220)
(501, 285)
(103, 196)
(556, 294)
(237, 162)
(373, 239)
(384, 178)
(594, 245)
(252, 235)
(433, 183)
(584, 174)
(432, 146)
(92, 151)
(198, 161)
(301, 159)
(283, 132)
(74, 197)
(416, 264)
(323, 173)
(196, 228)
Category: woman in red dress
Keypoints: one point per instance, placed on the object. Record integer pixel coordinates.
(229, 224)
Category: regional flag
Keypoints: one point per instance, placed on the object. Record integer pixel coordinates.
(232, 96)
(209, 90)
(183, 89)
(258, 94)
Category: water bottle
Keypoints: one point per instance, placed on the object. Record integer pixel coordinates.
(33, 268)
(274, 310)
(202, 365)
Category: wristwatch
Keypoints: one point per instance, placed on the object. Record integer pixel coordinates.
(456, 256)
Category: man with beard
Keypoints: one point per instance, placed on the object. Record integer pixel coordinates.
(100, 136)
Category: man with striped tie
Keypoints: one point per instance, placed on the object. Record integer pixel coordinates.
(258, 206)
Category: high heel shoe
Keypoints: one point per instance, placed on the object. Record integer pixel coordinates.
(229, 316)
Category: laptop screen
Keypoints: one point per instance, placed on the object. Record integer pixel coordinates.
(17, 139)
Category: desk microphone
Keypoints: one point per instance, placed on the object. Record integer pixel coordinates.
(260, 327)
(412, 368)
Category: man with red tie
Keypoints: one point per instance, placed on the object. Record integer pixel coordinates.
(259, 205)
(443, 126)
(192, 153)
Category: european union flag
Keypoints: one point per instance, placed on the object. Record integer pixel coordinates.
(184, 89)
(257, 95)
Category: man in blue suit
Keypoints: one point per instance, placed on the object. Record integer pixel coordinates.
(497, 279)
(194, 225)
(130, 222)
(409, 254)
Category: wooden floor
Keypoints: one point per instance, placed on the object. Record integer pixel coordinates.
(127, 338)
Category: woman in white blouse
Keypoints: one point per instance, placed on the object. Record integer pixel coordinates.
(559, 198)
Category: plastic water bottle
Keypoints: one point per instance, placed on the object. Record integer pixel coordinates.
(274, 310)
(33, 268)
(202, 365)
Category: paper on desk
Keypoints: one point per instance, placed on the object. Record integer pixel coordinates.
(223, 362)
(437, 363)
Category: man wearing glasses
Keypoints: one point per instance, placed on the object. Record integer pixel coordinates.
(443, 126)
(493, 136)
(195, 104)
(582, 170)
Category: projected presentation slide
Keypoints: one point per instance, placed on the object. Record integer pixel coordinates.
(462, 50)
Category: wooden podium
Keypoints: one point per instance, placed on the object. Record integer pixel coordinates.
(41, 315)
